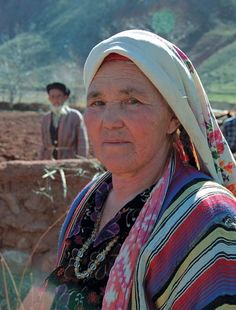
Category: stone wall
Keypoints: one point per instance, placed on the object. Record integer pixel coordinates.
(34, 198)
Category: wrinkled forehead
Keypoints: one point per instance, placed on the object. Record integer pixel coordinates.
(113, 66)
(113, 58)
(120, 76)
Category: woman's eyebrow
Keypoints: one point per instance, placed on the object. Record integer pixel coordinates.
(93, 94)
(131, 90)
(126, 91)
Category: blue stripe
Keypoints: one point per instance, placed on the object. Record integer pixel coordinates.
(73, 207)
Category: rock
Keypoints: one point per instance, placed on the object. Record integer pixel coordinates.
(33, 208)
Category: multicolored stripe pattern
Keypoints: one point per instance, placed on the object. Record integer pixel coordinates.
(189, 261)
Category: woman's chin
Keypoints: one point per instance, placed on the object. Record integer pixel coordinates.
(117, 165)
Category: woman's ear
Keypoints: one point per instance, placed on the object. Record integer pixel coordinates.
(173, 125)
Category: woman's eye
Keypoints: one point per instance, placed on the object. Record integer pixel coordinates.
(97, 103)
(133, 101)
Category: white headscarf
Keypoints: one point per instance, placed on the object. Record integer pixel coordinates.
(172, 73)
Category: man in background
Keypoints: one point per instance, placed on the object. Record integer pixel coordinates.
(64, 134)
(229, 131)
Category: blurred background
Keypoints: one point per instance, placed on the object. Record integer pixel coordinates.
(48, 40)
(43, 41)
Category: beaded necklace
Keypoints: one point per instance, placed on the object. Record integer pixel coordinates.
(93, 265)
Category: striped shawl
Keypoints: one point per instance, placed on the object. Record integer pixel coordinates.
(189, 260)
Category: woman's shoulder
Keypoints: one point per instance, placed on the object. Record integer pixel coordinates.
(96, 180)
(185, 179)
(204, 199)
(87, 190)
(197, 207)
(194, 189)
(186, 176)
(215, 198)
(204, 187)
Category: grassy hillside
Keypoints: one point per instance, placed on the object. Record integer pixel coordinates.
(217, 68)
(46, 41)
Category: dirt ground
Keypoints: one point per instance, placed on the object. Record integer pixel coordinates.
(20, 135)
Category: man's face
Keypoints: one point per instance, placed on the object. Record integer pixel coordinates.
(57, 97)
(128, 121)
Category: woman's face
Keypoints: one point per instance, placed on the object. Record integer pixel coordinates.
(129, 124)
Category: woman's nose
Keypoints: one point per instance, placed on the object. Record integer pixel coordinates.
(112, 116)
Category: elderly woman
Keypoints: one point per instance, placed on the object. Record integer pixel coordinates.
(158, 230)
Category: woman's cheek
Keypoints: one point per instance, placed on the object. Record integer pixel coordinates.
(89, 118)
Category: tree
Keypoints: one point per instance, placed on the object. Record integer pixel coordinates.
(18, 58)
